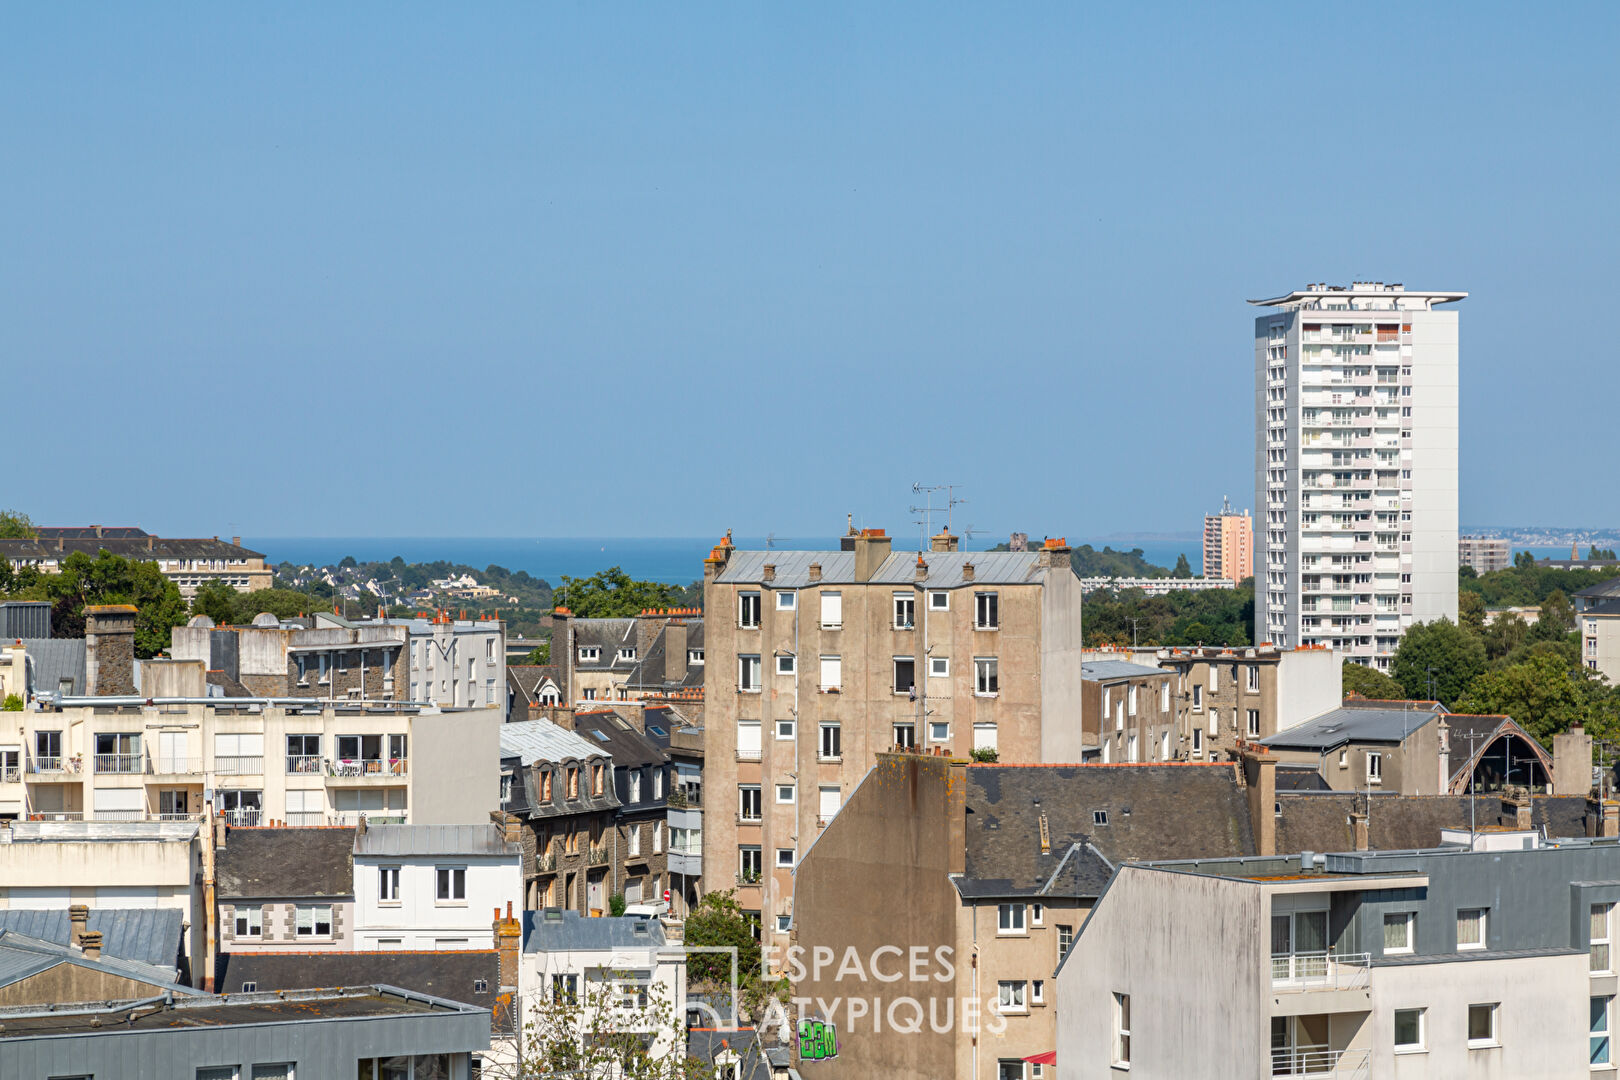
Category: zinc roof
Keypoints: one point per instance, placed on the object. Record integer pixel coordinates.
(1337, 726)
(899, 568)
(540, 740)
(434, 840)
(1104, 670)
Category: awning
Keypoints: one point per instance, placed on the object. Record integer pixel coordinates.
(1048, 1058)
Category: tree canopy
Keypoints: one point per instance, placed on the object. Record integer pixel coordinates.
(718, 920)
(612, 593)
(1205, 616)
(16, 525)
(107, 579)
(1370, 683)
(1437, 659)
(1546, 696)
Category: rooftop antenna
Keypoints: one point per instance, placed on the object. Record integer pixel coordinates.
(928, 509)
(772, 538)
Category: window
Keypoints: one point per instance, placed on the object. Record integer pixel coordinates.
(784, 923)
(1010, 919)
(748, 739)
(939, 731)
(748, 802)
(784, 857)
(1010, 996)
(786, 665)
(627, 654)
(986, 611)
(750, 864)
(282, 1070)
(1252, 717)
(1598, 1046)
(1037, 991)
(984, 736)
(939, 667)
(1214, 678)
(590, 654)
(1130, 697)
(218, 1072)
(658, 846)
(787, 601)
(1409, 1030)
(748, 610)
(450, 884)
(1398, 931)
(1600, 937)
(784, 729)
(1198, 696)
(832, 673)
(249, 922)
(1036, 914)
(388, 884)
(1344, 758)
(905, 674)
(597, 773)
(564, 988)
(784, 794)
(1065, 939)
(905, 735)
(694, 656)
(1471, 928)
(314, 920)
(635, 840)
(1253, 677)
(1375, 767)
(905, 610)
(1481, 1025)
(1099, 817)
(1122, 1031)
(939, 601)
(832, 742)
(1214, 722)
(986, 680)
(748, 674)
(832, 611)
(1198, 742)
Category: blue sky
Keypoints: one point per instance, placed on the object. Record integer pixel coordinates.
(541, 270)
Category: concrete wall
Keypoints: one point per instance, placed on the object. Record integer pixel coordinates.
(1192, 955)
(463, 783)
(418, 920)
(1309, 683)
(1062, 647)
(1112, 727)
(1434, 425)
(72, 983)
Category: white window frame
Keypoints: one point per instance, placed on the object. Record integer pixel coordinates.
(1604, 1009)
(450, 886)
(1037, 913)
(1198, 742)
(1422, 1044)
(987, 611)
(388, 883)
(784, 863)
(1478, 1043)
(1484, 924)
(939, 731)
(939, 667)
(745, 601)
(792, 794)
(1408, 919)
(306, 923)
(1198, 697)
(1120, 1045)
(939, 600)
(787, 664)
(1375, 768)
(981, 666)
(905, 602)
(785, 728)
(1037, 992)
(590, 654)
(1253, 680)
(1604, 911)
(1011, 920)
(836, 670)
(1012, 996)
(786, 601)
(822, 741)
(743, 791)
(837, 599)
(748, 663)
(1252, 719)
(248, 922)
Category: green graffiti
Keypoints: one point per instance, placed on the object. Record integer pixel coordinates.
(817, 1041)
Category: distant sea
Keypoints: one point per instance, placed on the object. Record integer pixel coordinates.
(676, 560)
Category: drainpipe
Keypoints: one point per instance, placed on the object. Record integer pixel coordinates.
(210, 913)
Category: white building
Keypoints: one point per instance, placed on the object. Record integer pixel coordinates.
(1356, 466)
(433, 886)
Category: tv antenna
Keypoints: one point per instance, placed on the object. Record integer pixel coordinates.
(928, 509)
(772, 538)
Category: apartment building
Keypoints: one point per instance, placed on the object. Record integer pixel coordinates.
(190, 564)
(324, 656)
(823, 659)
(1484, 553)
(1229, 696)
(1228, 544)
(654, 654)
(560, 787)
(1597, 617)
(1491, 956)
(1131, 712)
(1355, 466)
(642, 777)
(306, 761)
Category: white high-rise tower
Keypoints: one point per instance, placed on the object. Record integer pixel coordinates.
(1355, 465)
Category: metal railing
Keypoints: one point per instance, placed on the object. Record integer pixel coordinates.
(11, 774)
(241, 765)
(1319, 1061)
(168, 764)
(52, 764)
(1319, 971)
(305, 763)
(242, 817)
(597, 855)
(306, 817)
(120, 763)
(371, 767)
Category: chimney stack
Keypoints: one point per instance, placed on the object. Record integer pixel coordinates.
(1260, 774)
(871, 548)
(509, 943)
(1358, 823)
(943, 541)
(1572, 762)
(1054, 553)
(79, 918)
(815, 573)
(675, 651)
(967, 571)
(109, 649)
(236, 540)
(90, 943)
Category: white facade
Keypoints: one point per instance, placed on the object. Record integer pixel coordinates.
(443, 900)
(457, 663)
(1355, 466)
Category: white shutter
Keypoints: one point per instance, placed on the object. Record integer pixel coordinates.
(748, 738)
(831, 799)
(251, 745)
(984, 736)
(227, 746)
(120, 800)
(832, 609)
(832, 671)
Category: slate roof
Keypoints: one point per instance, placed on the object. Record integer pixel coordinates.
(22, 957)
(900, 568)
(608, 635)
(1320, 821)
(450, 974)
(409, 840)
(1108, 670)
(1602, 590)
(143, 935)
(297, 863)
(1352, 723)
(614, 735)
(50, 660)
(554, 930)
(55, 543)
(528, 678)
(1151, 812)
(1299, 778)
(540, 740)
(649, 672)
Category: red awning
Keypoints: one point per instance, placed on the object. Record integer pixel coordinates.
(1048, 1058)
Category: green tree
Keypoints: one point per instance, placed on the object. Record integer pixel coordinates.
(16, 525)
(611, 594)
(113, 579)
(539, 655)
(616, 905)
(13, 703)
(1369, 682)
(1466, 573)
(1506, 633)
(1524, 560)
(1471, 612)
(718, 920)
(1557, 618)
(1594, 553)
(1183, 567)
(1545, 695)
(216, 600)
(1440, 654)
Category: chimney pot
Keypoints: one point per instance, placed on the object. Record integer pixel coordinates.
(90, 942)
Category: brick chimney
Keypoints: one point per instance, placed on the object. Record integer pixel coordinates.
(815, 572)
(509, 943)
(109, 649)
(1358, 824)
(967, 571)
(943, 541)
(1611, 818)
(871, 548)
(90, 943)
(922, 569)
(675, 650)
(79, 919)
(1054, 553)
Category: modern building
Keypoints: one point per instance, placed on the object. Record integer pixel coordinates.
(1597, 616)
(1228, 544)
(190, 564)
(1484, 553)
(1355, 466)
(305, 762)
(820, 660)
(1491, 956)
(432, 886)
(374, 1032)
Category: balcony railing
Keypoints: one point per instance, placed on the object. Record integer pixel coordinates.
(686, 798)
(11, 774)
(1319, 971)
(170, 765)
(53, 764)
(545, 863)
(371, 767)
(598, 854)
(242, 817)
(352, 817)
(120, 763)
(305, 763)
(1319, 1061)
(306, 817)
(239, 766)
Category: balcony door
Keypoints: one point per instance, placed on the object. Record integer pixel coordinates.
(1298, 945)
(172, 752)
(1300, 1046)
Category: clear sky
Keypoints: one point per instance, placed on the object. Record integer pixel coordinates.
(551, 270)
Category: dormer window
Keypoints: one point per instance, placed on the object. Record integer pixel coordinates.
(627, 655)
(694, 656)
(590, 654)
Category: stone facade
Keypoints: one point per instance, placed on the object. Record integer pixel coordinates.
(109, 649)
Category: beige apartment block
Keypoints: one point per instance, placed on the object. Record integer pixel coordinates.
(818, 661)
(1228, 545)
(1131, 712)
(302, 762)
(1247, 693)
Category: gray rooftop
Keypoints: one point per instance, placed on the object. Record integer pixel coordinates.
(406, 840)
(23, 956)
(552, 930)
(50, 832)
(1105, 670)
(540, 740)
(900, 568)
(144, 935)
(51, 661)
(1338, 726)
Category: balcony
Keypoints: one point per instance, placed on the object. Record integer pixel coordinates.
(1320, 1062)
(597, 854)
(120, 763)
(244, 816)
(11, 774)
(365, 770)
(372, 817)
(1313, 971)
(239, 766)
(306, 818)
(174, 766)
(43, 767)
(686, 798)
(305, 763)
